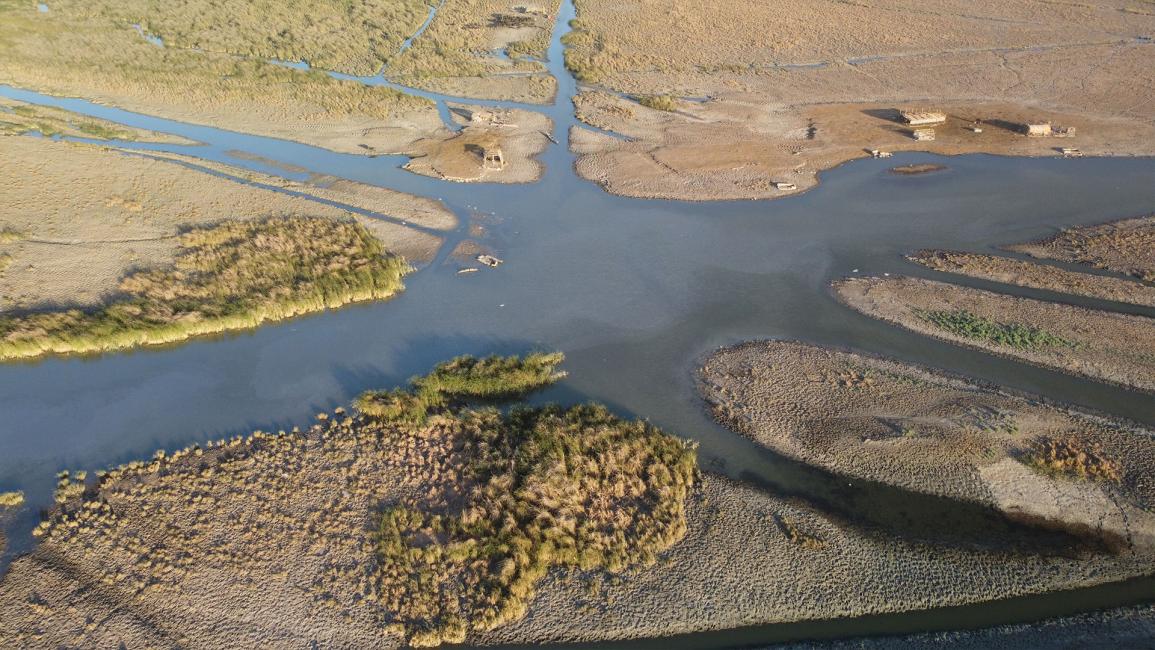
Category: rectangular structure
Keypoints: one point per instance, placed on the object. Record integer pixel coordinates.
(920, 118)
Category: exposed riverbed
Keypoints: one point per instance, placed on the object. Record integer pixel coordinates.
(635, 293)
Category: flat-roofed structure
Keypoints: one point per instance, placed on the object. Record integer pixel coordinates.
(920, 118)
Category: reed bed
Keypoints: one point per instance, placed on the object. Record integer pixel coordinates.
(227, 276)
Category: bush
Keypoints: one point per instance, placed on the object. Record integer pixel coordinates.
(659, 102)
(1071, 457)
(11, 499)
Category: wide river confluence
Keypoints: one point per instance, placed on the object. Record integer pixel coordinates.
(635, 292)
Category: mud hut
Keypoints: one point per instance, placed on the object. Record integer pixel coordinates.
(491, 157)
(1039, 129)
(922, 118)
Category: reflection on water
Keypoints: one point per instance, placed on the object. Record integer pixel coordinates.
(633, 291)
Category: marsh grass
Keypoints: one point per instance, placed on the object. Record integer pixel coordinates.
(971, 326)
(231, 275)
(543, 488)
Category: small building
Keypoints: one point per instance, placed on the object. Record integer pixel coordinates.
(1063, 131)
(492, 158)
(489, 260)
(878, 153)
(1040, 130)
(922, 118)
(923, 134)
(1071, 152)
(784, 186)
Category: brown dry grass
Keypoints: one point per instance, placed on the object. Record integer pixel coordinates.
(1126, 246)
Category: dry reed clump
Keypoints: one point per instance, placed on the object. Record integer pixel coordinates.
(665, 103)
(1074, 458)
(542, 487)
(10, 235)
(231, 275)
(11, 499)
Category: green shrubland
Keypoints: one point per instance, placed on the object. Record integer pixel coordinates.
(231, 275)
(968, 325)
(540, 488)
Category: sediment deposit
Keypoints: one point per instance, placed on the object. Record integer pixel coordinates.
(1102, 345)
(1126, 246)
(1038, 276)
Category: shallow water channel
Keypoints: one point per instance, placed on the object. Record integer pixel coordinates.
(635, 292)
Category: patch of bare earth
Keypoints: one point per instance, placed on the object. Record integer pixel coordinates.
(1102, 345)
(766, 93)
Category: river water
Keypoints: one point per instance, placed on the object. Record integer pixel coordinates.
(635, 292)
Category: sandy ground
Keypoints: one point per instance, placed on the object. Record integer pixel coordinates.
(122, 211)
(777, 93)
(1126, 246)
(1038, 276)
(870, 418)
(1103, 345)
(519, 134)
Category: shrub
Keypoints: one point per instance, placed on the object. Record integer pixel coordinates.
(968, 325)
(1072, 457)
(231, 275)
(659, 102)
(11, 499)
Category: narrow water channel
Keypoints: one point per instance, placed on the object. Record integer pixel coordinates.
(635, 292)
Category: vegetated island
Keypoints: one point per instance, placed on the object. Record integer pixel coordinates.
(744, 100)
(1037, 276)
(427, 516)
(20, 118)
(1102, 345)
(872, 418)
(227, 276)
(917, 169)
(9, 502)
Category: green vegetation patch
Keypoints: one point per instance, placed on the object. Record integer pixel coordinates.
(541, 488)
(231, 275)
(968, 325)
(1072, 458)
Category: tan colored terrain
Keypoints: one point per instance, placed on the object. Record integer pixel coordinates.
(1038, 276)
(1106, 346)
(763, 92)
(489, 49)
(270, 540)
(520, 135)
(875, 419)
(1126, 246)
(122, 211)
